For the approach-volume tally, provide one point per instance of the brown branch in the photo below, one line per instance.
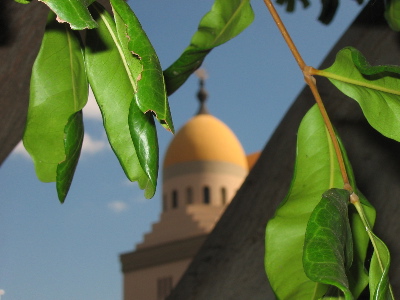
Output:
(310, 80)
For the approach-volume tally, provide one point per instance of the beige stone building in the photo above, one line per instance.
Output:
(203, 168)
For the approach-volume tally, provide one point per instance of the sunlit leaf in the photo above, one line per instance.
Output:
(316, 171)
(113, 91)
(392, 14)
(58, 90)
(328, 245)
(144, 136)
(73, 144)
(151, 94)
(23, 1)
(376, 89)
(224, 21)
(74, 12)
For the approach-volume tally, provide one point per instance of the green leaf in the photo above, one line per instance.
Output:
(151, 94)
(380, 288)
(376, 89)
(73, 145)
(113, 91)
(58, 90)
(224, 21)
(328, 245)
(316, 171)
(74, 12)
(392, 14)
(144, 136)
(23, 1)
(358, 276)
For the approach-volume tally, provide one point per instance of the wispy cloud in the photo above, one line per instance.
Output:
(20, 150)
(91, 110)
(92, 146)
(118, 206)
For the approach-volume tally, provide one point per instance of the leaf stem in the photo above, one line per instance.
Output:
(285, 34)
(310, 80)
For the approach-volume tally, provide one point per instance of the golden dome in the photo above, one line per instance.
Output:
(205, 138)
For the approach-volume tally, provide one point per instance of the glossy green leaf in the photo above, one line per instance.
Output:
(357, 275)
(73, 145)
(113, 90)
(144, 136)
(316, 171)
(328, 244)
(58, 90)
(224, 21)
(392, 14)
(380, 288)
(376, 89)
(74, 12)
(151, 94)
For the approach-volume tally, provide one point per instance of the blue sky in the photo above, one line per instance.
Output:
(50, 251)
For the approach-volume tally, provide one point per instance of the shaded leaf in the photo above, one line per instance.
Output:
(392, 14)
(23, 1)
(316, 171)
(73, 144)
(224, 21)
(380, 288)
(291, 4)
(113, 91)
(74, 12)
(144, 136)
(329, 8)
(151, 93)
(376, 89)
(58, 90)
(328, 245)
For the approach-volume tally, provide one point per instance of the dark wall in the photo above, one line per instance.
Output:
(230, 263)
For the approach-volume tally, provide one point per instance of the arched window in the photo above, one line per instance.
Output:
(223, 195)
(206, 194)
(174, 199)
(189, 195)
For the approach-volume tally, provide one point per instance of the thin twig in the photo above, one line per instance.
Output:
(310, 80)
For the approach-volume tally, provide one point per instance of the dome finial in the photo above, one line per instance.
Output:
(202, 94)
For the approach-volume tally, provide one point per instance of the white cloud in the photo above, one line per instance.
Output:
(92, 146)
(20, 150)
(117, 206)
(91, 110)
(89, 146)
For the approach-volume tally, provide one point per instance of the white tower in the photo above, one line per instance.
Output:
(203, 168)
